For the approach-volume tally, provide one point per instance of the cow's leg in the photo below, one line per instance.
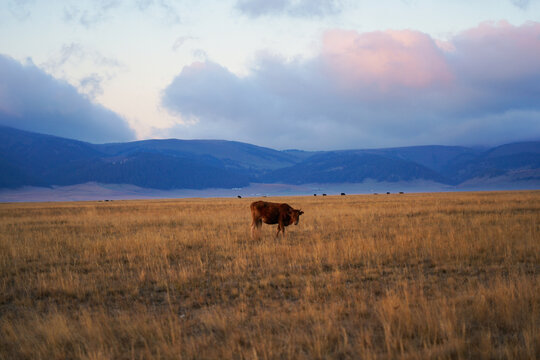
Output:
(280, 227)
(255, 228)
(278, 230)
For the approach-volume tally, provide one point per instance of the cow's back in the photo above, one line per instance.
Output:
(267, 211)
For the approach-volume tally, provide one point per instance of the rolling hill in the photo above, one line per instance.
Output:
(351, 167)
(42, 160)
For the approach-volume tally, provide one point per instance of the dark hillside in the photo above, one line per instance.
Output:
(41, 160)
(503, 160)
(232, 153)
(351, 166)
(434, 157)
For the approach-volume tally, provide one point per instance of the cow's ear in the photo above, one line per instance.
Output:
(300, 212)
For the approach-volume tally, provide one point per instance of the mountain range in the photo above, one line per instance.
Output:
(32, 159)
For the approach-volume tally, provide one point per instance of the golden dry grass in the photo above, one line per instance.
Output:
(415, 276)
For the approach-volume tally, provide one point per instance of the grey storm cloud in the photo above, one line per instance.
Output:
(297, 8)
(391, 88)
(32, 100)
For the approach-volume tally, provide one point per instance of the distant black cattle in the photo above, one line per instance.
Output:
(342, 194)
(239, 197)
(323, 194)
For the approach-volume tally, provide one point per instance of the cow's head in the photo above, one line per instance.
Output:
(295, 216)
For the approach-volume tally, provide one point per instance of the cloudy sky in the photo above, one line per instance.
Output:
(305, 74)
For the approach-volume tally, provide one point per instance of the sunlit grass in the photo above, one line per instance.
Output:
(452, 275)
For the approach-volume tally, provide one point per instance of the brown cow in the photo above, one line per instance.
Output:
(273, 213)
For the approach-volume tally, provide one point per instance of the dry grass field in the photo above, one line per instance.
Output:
(414, 276)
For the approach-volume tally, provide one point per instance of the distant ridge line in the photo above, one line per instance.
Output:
(33, 159)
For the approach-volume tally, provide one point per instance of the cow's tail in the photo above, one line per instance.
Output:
(256, 222)
(256, 225)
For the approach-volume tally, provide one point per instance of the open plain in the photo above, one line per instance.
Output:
(447, 275)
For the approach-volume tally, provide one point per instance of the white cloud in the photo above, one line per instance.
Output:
(88, 16)
(296, 8)
(180, 41)
(20, 9)
(523, 4)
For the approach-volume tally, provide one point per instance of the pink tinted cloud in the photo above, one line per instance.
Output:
(386, 88)
(497, 51)
(384, 60)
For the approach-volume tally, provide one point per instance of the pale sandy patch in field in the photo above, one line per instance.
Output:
(96, 191)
